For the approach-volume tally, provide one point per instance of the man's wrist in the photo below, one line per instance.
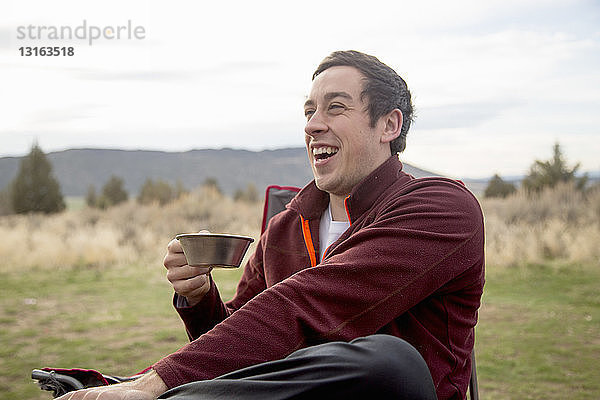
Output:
(194, 301)
(151, 383)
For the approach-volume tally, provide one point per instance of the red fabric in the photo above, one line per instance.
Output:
(410, 265)
(88, 377)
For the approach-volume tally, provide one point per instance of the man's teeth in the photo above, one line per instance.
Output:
(324, 150)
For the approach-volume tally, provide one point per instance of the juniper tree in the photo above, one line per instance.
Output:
(549, 173)
(113, 193)
(35, 189)
(498, 187)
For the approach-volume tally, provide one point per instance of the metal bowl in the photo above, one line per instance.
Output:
(214, 249)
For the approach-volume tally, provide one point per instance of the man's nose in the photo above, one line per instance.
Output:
(315, 125)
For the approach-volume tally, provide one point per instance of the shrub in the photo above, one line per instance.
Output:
(91, 199)
(250, 194)
(497, 187)
(212, 183)
(113, 193)
(5, 201)
(549, 173)
(159, 191)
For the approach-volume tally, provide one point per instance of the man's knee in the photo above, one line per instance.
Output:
(393, 367)
(382, 349)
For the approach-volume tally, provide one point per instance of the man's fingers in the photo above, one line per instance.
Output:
(83, 394)
(174, 260)
(99, 394)
(174, 246)
(69, 396)
(188, 287)
(110, 392)
(91, 394)
(190, 282)
(186, 272)
(175, 253)
(198, 292)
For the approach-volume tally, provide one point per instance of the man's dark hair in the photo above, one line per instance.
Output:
(383, 87)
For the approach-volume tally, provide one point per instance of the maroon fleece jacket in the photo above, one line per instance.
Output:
(411, 265)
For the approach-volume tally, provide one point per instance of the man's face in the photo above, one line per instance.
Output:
(342, 146)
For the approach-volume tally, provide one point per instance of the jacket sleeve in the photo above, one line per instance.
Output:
(203, 316)
(416, 244)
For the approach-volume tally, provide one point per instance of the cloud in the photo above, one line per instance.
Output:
(59, 116)
(5, 38)
(484, 76)
(140, 75)
(463, 115)
(172, 75)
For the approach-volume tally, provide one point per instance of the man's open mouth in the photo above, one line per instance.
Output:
(322, 153)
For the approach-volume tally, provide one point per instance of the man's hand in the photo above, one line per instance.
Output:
(190, 282)
(147, 387)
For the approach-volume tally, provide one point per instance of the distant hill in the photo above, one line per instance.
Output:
(77, 169)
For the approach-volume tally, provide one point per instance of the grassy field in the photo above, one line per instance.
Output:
(538, 336)
(86, 288)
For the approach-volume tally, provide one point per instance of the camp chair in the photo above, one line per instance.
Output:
(276, 199)
(61, 381)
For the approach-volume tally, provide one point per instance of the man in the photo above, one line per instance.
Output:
(368, 284)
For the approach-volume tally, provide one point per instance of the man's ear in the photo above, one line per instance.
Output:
(392, 127)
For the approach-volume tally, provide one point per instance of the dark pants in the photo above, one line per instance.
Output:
(374, 367)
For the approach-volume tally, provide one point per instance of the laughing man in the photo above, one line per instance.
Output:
(366, 286)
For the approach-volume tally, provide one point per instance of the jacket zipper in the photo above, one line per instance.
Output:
(308, 241)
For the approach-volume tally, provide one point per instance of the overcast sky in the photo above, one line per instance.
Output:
(494, 83)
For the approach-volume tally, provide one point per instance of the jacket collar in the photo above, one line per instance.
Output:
(311, 202)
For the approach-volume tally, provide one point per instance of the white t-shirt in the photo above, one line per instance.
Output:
(330, 230)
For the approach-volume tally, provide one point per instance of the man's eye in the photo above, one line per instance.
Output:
(308, 113)
(335, 107)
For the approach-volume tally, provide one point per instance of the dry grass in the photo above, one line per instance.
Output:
(560, 224)
(129, 233)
